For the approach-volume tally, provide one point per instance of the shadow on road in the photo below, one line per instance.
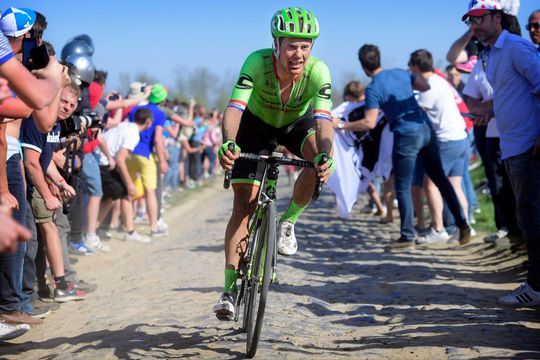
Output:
(426, 297)
(135, 341)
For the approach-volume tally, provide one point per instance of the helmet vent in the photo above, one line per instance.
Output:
(280, 24)
(289, 13)
(308, 28)
(291, 27)
(301, 24)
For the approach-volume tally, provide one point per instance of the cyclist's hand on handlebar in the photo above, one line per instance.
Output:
(324, 170)
(226, 156)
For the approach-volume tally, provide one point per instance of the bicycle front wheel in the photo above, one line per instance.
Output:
(261, 278)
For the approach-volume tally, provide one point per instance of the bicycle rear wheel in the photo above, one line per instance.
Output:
(261, 278)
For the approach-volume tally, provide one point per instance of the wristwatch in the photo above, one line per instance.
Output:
(341, 125)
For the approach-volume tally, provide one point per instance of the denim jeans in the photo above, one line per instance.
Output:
(211, 155)
(524, 173)
(468, 187)
(409, 147)
(500, 189)
(29, 268)
(171, 179)
(11, 265)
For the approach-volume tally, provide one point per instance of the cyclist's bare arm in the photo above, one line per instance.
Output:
(325, 136)
(230, 126)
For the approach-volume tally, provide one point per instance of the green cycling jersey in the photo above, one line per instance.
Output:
(258, 89)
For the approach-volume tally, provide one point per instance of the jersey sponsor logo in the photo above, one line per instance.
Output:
(245, 82)
(325, 91)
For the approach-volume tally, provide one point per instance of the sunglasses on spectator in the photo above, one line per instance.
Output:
(535, 26)
(478, 20)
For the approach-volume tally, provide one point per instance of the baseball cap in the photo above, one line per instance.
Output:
(481, 8)
(158, 94)
(16, 22)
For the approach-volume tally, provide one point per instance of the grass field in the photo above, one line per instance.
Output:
(485, 220)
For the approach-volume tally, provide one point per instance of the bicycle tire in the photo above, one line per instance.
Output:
(264, 260)
(245, 285)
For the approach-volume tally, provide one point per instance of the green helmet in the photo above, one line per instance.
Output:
(294, 22)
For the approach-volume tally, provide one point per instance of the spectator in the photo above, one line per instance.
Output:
(142, 161)
(454, 77)
(36, 93)
(449, 126)
(392, 92)
(117, 183)
(513, 69)
(210, 141)
(533, 27)
(38, 152)
(346, 117)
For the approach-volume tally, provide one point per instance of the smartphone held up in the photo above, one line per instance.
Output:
(34, 57)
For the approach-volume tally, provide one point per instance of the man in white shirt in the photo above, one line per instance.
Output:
(117, 183)
(449, 126)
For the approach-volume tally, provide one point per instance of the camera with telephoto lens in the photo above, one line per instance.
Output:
(74, 123)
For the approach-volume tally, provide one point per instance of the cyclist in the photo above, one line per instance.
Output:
(282, 97)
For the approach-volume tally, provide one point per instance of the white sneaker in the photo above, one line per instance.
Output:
(499, 234)
(162, 224)
(433, 236)
(11, 331)
(287, 241)
(225, 308)
(135, 236)
(522, 296)
(96, 244)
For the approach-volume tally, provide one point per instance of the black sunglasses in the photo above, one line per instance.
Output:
(535, 26)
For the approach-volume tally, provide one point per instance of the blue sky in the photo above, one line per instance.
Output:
(163, 38)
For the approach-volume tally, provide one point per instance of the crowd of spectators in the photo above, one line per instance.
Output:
(439, 122)
(78, 163)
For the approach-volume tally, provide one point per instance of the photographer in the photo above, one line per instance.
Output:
(46, 189)
(91, 177)
(67, 161)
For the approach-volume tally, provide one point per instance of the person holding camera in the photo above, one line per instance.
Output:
(91, 177)
(46, 190)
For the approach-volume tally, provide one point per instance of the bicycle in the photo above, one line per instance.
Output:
(258, 266)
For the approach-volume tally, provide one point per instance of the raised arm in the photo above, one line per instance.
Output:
(457, 54)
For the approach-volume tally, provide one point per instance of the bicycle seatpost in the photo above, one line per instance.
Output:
(228, 173)
(319, 184)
